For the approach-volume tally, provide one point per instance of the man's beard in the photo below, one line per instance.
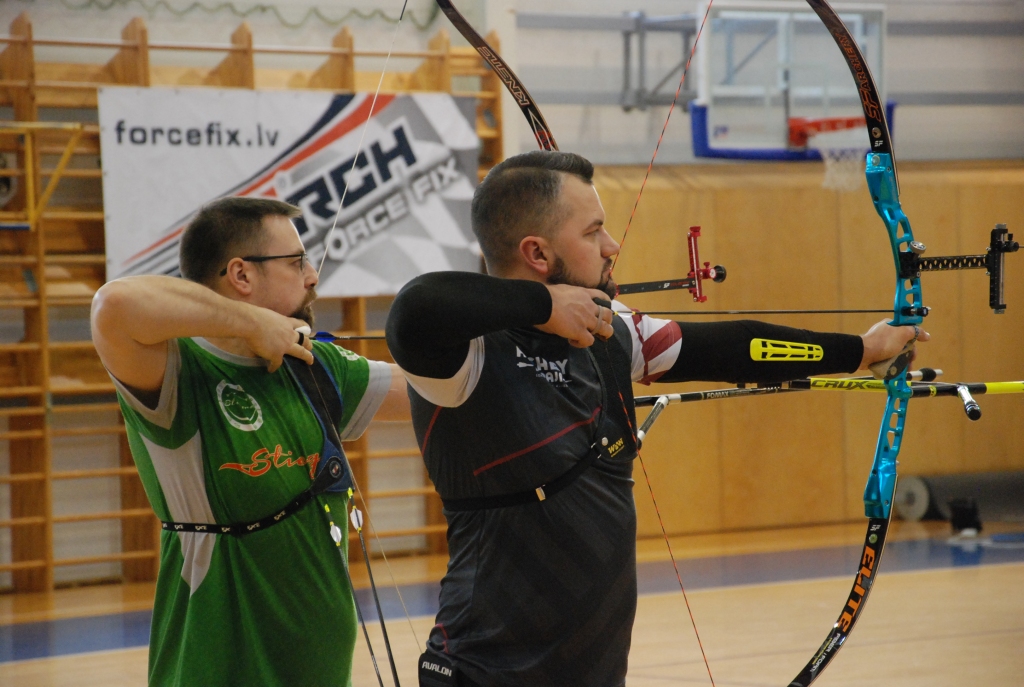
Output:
(561, 275)
(305, 311)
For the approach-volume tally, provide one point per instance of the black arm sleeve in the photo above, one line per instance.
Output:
(436, 315)
(720, 352)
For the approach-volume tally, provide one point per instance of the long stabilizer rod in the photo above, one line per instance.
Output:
(921, 385)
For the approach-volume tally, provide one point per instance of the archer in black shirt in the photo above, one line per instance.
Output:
(520, 384)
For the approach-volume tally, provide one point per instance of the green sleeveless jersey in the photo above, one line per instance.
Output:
(229, 442)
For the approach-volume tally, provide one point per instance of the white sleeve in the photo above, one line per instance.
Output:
(656, 344)
(376, 391)
(453, 391)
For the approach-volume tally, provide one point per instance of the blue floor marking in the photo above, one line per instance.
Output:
(74, 635)
(786, 566)
(24, 641)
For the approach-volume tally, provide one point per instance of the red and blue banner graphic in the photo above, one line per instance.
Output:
(166, 152)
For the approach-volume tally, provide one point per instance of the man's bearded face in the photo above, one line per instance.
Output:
(305, 311)
(560, 274)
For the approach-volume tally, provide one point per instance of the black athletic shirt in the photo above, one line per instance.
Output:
(544, 594)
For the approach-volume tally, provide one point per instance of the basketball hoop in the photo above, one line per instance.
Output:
(842, 143)
(844, 166)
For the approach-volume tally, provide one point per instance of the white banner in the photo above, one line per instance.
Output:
(166, 152)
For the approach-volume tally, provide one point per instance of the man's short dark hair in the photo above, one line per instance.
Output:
(227, 228)
(519, 198)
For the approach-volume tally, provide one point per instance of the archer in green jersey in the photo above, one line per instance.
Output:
(221, 433)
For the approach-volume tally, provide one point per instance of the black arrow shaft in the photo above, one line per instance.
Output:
(651, 286)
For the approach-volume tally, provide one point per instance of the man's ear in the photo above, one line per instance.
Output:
(537, 254)
(237, 278)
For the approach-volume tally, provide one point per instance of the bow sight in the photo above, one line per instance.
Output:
(912, 264)
(693, 281)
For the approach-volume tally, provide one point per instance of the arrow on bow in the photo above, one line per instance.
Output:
(694, 281)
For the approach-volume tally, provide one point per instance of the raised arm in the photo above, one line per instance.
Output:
(437, 315)
(133, 318)
(668, 351)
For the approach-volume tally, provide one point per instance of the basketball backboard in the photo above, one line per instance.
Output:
(767, 69)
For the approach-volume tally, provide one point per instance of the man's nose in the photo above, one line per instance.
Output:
(610, 247)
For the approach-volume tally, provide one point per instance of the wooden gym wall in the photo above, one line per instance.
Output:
(787, 243)
(52, 261)
(720, 465)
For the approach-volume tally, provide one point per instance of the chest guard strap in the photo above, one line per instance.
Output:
(333, 473)
(614, 408)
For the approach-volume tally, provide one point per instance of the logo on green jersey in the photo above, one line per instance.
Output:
(241, 409)
(347, 354)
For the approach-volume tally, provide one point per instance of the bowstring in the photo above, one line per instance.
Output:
(664, 531)
(355, 601)
(387, 563)
(622, 243)
(657, 147)
(362, 137)
(366, 556)
(358, 516)
(675, 566)
(326, 242)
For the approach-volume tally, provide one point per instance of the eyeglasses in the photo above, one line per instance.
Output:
(302, 257)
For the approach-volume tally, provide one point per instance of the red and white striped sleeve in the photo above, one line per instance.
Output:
(656, 343)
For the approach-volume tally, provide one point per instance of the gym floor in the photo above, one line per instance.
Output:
(944, 611)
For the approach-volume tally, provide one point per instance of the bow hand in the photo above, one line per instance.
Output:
(889, 350)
